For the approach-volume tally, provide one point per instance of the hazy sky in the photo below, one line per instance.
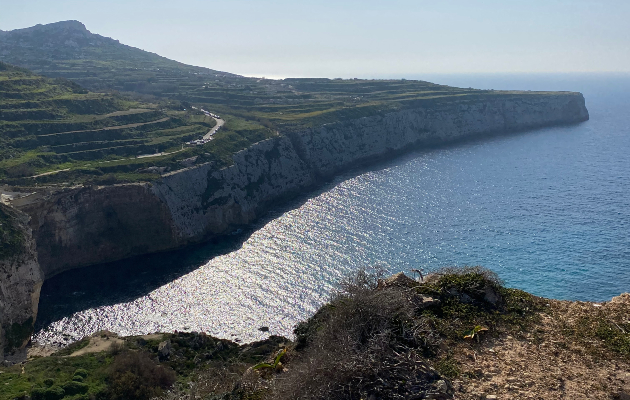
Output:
(366, 38)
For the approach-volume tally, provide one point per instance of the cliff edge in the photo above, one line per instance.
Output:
(86, 225)
(456, 334)
(96, 224)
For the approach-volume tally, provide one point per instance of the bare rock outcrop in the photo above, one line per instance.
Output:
(20, 280)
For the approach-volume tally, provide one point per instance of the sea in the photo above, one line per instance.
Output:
(547, 210)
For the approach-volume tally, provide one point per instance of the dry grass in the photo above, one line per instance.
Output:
(365, 344)
(569, 354)
(381, 343)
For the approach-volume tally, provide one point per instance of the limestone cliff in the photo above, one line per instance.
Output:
(20, 280)
(85, 226)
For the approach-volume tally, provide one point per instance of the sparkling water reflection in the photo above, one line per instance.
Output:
(548, 210)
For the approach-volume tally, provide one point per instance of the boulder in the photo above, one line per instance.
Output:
(623, 298)
(397, 280)
(165, 349)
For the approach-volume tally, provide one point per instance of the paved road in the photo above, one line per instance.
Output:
(212, 131)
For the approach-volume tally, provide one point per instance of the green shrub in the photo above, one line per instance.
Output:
(448, 368)
(37, 393)
(81, 372)
(83, 397)
(11, 244)
(54, 393)
(71, 388)
(135, 376)
(49, 382)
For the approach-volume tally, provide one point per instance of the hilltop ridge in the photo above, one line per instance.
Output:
(72, 25)
(68, 49)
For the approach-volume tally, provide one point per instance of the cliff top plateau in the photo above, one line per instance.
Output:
(458, 334)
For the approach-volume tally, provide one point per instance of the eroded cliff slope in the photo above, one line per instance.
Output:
(20, 280)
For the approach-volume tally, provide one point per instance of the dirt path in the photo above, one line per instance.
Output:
(49, 173)
(151, 155)
(100, 341)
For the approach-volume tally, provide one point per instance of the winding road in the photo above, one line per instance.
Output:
(211, 132)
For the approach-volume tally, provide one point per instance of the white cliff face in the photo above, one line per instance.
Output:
(205, 203)
(96, 225)
(20, 283)
(329, 148)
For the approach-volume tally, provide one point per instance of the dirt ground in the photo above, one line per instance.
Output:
(544, 363)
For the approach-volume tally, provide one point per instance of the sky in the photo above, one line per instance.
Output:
(366, 39)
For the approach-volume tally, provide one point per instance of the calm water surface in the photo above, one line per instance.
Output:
(548, 210)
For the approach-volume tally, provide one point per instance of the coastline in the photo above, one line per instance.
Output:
(90, 225)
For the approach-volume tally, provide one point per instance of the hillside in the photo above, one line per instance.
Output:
(458, 334)
(53, 126)
(68, 50)
(50, 125)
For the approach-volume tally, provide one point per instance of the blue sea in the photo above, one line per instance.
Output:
(548, 210)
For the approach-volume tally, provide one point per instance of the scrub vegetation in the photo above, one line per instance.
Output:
(11, 234)
(393, 338)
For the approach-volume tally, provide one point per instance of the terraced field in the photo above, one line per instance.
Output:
(292, 104)
(48, 126)
(54, 131)
(68, 50)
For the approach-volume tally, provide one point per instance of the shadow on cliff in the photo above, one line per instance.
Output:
(126, 280)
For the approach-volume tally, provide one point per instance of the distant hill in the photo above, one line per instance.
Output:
(68, 50)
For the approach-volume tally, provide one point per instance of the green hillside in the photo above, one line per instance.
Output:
(68, 50)
(55, 125)
(54, 131)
